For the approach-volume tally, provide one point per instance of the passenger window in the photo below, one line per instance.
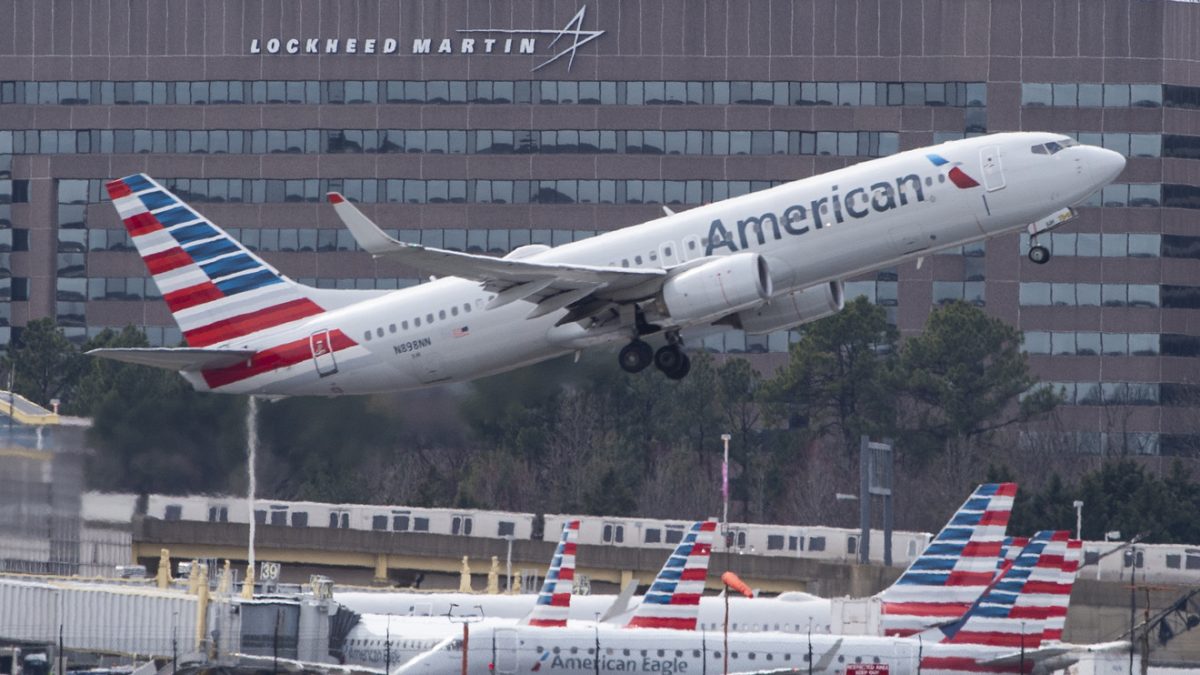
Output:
(417, 322)
(400, 523)
(378, 522)
(404, 325)
(420, 524)
(442, 314)
(429, 318)
(391, 328)
(299, 519)
(620, 534)
(667, 251)
(333, 520)
(653, 535)
(637, 260)
(367, 336)
(379, 331)
(466, 306)
(454, 310)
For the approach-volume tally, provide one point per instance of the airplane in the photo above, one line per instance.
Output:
(939, 585)
(1004, 631)
(762, 262)
(381, 640)
(671, 602)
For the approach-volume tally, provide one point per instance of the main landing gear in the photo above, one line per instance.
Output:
(670, 359)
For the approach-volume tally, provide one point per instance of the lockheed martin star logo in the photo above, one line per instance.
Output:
(573, 30)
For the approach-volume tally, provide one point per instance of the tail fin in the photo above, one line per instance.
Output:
(554, 601)
(1051, 596)
(673, 600)
(953, 571)
(216, 289)
(1014, 611)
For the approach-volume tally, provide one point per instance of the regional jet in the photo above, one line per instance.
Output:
(762, 262)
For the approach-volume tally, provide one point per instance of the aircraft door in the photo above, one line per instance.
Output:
(505, 647)
(667, 254)
(993, 172)
(321, 345)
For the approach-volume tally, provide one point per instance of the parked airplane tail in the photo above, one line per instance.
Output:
(554, 601)
(1006, 630)
(1009, 550)
(673, 600)
(955, 569)
(216, 289)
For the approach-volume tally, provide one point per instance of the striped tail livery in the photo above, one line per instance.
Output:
(955, 569)
(673, 600)
(241, 318)
(554, 601)
(1007, 629)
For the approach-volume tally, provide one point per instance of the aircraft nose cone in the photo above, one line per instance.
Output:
(1106, 165)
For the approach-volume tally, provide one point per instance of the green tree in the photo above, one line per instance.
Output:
(835, 380)
(44, 363)
(98, 376)
(959, 380)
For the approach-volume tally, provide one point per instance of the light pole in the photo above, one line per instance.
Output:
(1078, 504)
(725, 490)
(466, 620)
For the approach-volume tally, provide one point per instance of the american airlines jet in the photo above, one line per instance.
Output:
(762, 262)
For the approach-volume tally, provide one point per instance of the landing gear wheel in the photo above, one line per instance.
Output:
(1039, 255)
(673, 362)
(635, 356)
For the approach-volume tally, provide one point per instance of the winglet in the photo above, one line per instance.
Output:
(368, 235)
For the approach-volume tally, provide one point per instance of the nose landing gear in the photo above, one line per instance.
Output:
(1039, 255)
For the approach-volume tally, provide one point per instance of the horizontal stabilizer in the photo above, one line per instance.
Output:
(179, 358)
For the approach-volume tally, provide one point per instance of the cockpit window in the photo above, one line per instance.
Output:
(1053, 146)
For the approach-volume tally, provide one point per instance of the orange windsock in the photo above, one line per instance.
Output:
(731, 580)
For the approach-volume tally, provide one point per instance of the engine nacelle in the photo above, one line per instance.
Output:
(793, 309)
(727, 284)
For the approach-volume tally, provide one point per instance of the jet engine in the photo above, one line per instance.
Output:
(793, 309)
(716, 288)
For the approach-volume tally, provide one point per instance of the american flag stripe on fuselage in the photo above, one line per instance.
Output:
(673, 600)
(953, 571)
(215, 288)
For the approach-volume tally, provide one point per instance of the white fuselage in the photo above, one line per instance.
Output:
(815, 230)
(573, 650)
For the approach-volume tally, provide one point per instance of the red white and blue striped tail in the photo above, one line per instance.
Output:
(554, 601)
(1052, 597)
(955, 569)
(673, 600)
(215, 288)
(1014, 611)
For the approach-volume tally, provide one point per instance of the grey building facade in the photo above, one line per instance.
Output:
(486, 125)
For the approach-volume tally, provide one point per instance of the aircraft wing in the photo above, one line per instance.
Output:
(179, 358)
(552, 285)
(1061, 652)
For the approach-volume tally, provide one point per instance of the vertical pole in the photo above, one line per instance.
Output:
(887, 504)
(1132, 602)
(252, 451)
(174, 643)
(725, 489)
(387, 657)
(864, 501)
(725, 653)
(466, 645)
(62, 656)
(508, 565)
(275, 644)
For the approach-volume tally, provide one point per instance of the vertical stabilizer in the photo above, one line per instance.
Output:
(554, 601)
(673, 600)
(953, 571)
